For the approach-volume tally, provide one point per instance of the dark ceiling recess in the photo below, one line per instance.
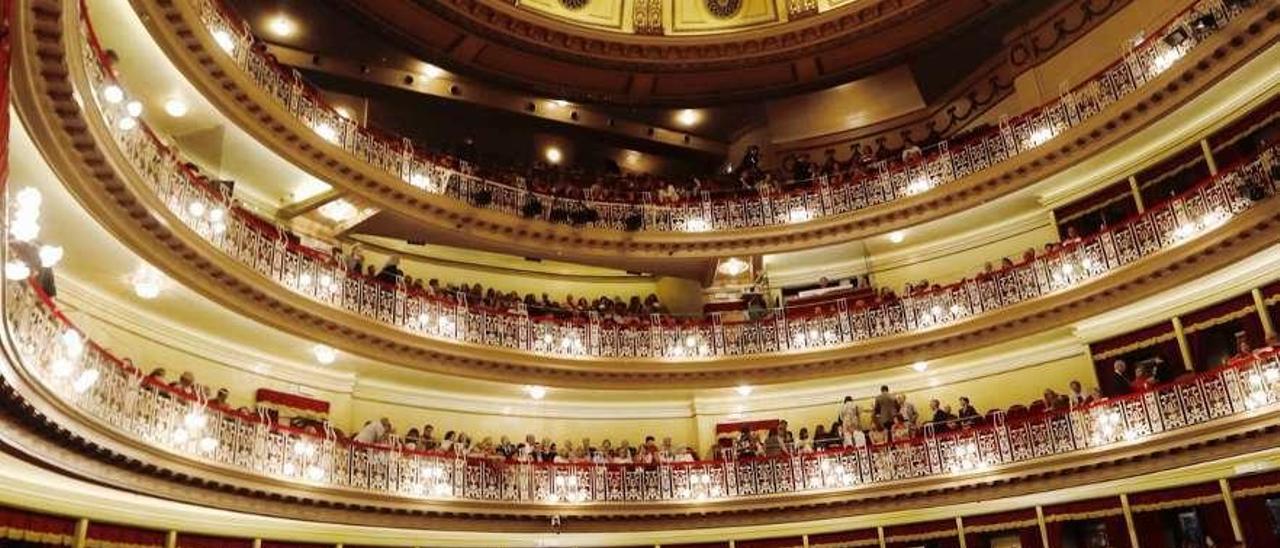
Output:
(939, 39)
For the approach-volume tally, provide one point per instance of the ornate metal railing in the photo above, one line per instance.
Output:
(116, 394)
(210, 211)
(797, 202)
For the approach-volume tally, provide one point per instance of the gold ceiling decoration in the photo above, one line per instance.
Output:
(647, 17)
(573, 5)
(724, 9)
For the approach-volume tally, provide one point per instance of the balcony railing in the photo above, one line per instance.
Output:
(211, 212)
(798, 201)
(116, 394)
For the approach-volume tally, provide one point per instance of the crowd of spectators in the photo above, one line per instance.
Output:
(891, 418)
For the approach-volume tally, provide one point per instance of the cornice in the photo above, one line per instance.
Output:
(1233, 280)
(907, 255)
(134, 319)
(444, 220)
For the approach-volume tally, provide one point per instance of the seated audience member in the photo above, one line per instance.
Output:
(391, 272)
(1053, 401)
(901, 429)
(803, 443)
(220, 400)
(428, 437)
(412, 439)
(1076, 396)
(773, 443)
(907, 411)
(375, 431)
(1143, 380)
(878, 435)
(938, 417)
(746, 445)
(186, 383)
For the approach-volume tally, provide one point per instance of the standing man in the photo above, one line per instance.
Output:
(886, 408)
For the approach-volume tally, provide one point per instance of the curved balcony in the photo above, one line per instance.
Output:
(275, 105)
(115, 394)
(176, 220)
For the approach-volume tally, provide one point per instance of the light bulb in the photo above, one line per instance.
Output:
(61, 368)
(325, 354)
(224, 40)
(25, 231)
(195, 420)
(536, 392)
(73, 343)
(127, 123)
(50, 255)
(134, 108)
(744, 390)
(207, 445)
(113, 94)
(16, 270)
(85, 381)
(196, 208)
(176, 108)
(29, 198)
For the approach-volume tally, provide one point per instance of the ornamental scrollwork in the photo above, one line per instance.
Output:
(724, 9)
(574, 5)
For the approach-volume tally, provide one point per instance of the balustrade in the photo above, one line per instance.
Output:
(115, 393)
(799, 201)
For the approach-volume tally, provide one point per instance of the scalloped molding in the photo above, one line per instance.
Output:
(1256, 271)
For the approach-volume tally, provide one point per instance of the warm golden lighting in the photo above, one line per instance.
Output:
(338, 211)
(282, 26)
(688, 117)
(175, 107)
(553, 155)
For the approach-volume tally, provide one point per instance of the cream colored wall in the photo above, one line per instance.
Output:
(681, 296)
(990, 392)
(963, 263)
(875, 98)
(1083, 58)
(147, 354)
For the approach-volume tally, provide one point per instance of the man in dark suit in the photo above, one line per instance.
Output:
(1120, 381)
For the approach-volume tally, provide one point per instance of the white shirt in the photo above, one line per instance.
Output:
(371, 433)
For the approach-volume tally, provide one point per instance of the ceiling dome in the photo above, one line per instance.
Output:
(655, 52)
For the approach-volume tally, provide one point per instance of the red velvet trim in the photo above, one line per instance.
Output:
(843, 536)
(1126, 339)
(1170, 164)
(1083, 506)
(1218, 310)
(187, 540)
(1175, 494)
(920, 528)
(1243, 124)
(733, 427)
(291, 400)
(125, 534)
(782, 542)
(283, 544)
(1254, 481)
(14, 518)
(1012, 516)
(1092, 201)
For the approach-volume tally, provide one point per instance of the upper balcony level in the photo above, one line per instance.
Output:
(240, 252)
(448, 201)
